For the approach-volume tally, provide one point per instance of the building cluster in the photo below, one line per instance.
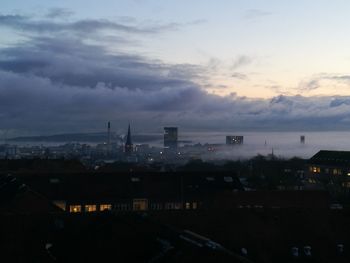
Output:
(117, 149)
(198, 211)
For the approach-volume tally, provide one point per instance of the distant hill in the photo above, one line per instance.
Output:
(86, 137)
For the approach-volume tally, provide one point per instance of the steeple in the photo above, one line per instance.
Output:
(128, 143)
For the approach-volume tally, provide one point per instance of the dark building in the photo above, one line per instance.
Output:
(133, 191)
(329, 168)
(302, 139)
(170, 138)
(109, 133)
(232, 140)
(128, 144)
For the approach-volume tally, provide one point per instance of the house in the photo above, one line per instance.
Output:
(329, 170)
(135, 191)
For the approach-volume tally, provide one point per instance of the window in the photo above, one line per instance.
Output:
(75, 208)
(188, 205)
(194, 205)
(228, 179)
(122, 207)
(104, 207)
(315, 169)
(312, 181)
(177, 206)
(140, 204)
(90, 208)
(337, 171)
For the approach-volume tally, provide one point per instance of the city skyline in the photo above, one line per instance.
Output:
(199, 65)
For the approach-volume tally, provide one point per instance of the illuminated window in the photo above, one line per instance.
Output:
(315, 169)
(188, 206)
(140, 204)
(194, 205)
(90, 208)
(75, 208)
(105, 207)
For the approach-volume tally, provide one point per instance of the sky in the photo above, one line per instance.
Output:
(70, 66)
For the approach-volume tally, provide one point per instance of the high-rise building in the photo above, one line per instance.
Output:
(109, 134)
(170, 138)
(128, 144)
(302, 139)
(231, 140)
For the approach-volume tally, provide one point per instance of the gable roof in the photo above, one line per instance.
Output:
(332, 158)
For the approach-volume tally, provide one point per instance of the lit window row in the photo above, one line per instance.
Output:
(334, 171)
(315, 169)
(89, 208)
(138, 205)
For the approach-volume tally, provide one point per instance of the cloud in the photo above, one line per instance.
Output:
(253, 14)
(241, 76)
(320, 80)
(59, 13)
(29, 24)
(59, 83)
(241, 61)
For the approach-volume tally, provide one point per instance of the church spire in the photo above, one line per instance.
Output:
(128, 143)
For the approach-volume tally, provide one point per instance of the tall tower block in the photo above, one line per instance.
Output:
(109, 134)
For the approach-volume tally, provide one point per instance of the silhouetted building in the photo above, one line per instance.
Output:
(302, 139)
(134, 191)
(327, 168)
(109, 133)
(232, 140)
(170, 138)
(128, 144)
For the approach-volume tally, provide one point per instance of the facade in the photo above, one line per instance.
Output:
(234, 140)
(329, 169)
(170, 138)
(136, 191)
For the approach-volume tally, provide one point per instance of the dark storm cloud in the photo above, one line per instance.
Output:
(71, 62)
(53, 83)
(28, 24)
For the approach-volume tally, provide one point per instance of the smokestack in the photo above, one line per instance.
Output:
(109, 134)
